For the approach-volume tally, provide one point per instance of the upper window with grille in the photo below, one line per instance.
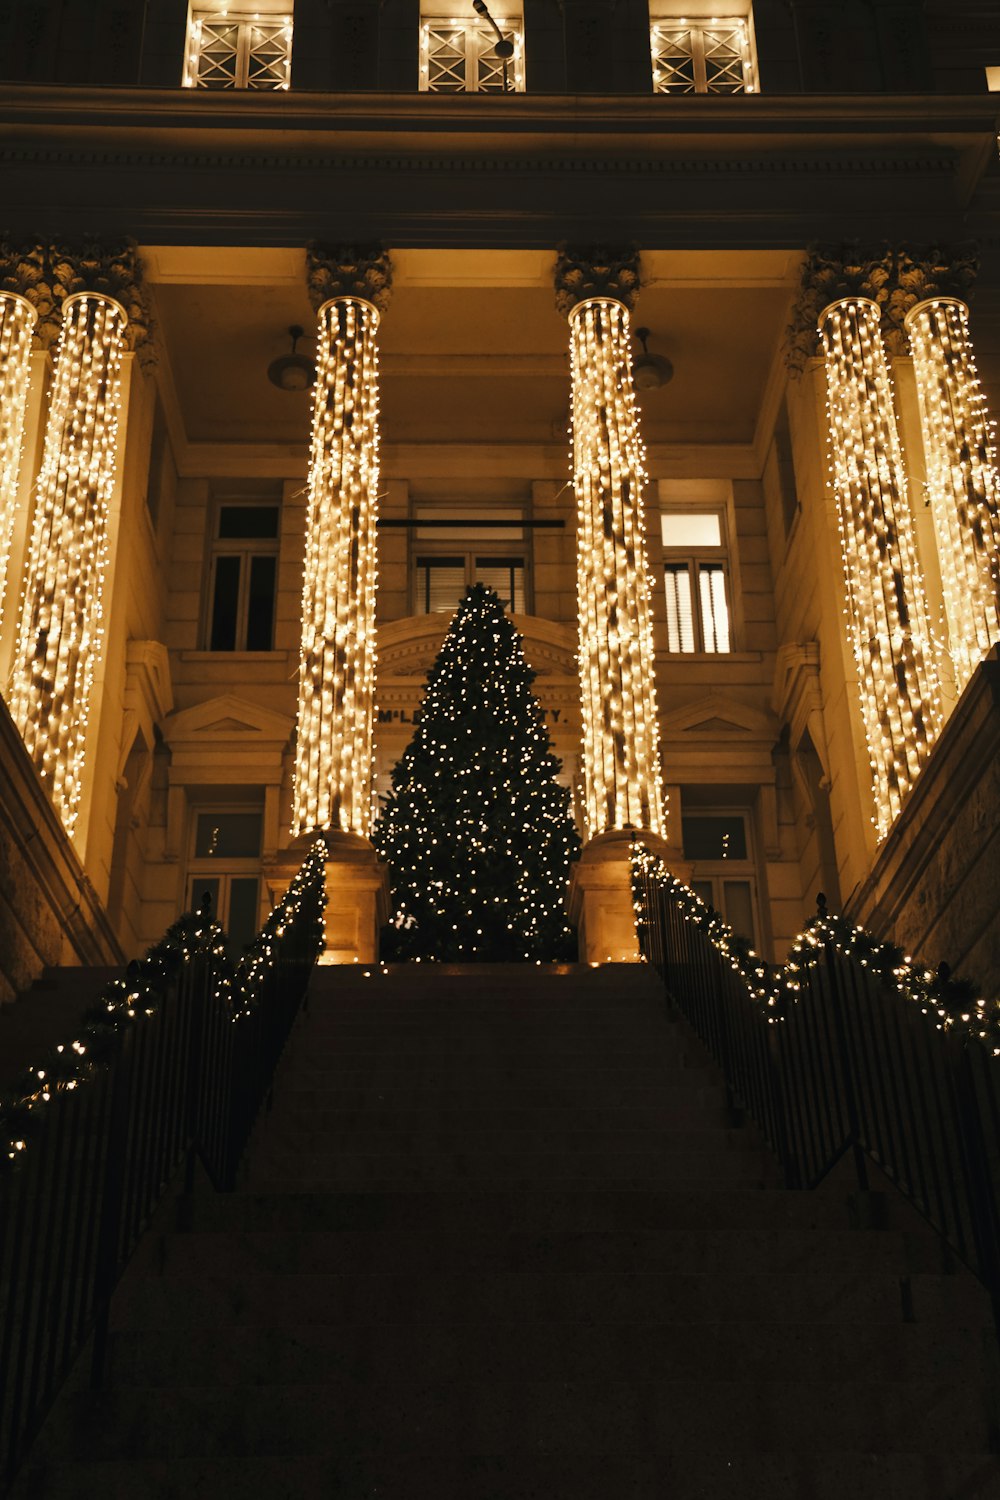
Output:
(238, 50)
(708, 56)
(696, 576)
(452, 551)
(460, 56)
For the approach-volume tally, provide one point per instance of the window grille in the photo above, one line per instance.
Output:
(713, 57)
(459, 57)
(244, 567)
(696, 575)
(227, 51)
(441, 582)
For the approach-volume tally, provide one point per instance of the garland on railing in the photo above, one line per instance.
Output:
(952, 1003)
(135, 997)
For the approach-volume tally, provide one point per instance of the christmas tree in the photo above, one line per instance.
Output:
(476, 830)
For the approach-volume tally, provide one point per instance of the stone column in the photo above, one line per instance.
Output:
(60, 629)
(333, 768)
(596, 289)
(886, 605)
(962, 477)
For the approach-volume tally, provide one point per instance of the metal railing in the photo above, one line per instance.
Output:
(848, 1048)
(174, 1062)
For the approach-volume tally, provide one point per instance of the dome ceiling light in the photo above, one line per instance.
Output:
(650, 371)
(292, 372)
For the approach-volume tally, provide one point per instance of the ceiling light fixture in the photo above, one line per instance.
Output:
(650, 371)
(292, 372)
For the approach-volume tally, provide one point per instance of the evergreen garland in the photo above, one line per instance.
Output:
(476, 830)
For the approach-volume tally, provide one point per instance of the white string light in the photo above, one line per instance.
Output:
(333, 763)
(962, 477)
(17, 320)
(886, 605)
(621, 771)
(59, 634)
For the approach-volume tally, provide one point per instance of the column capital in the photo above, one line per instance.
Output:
(586, 271)
(107, 268)
(896, 277)
(24, 270)
(363, 271)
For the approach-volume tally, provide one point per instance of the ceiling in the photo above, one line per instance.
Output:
(472, 348)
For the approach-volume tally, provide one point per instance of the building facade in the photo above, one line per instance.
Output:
(783, 224)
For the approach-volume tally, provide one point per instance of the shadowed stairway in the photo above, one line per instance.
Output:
(498, 1238)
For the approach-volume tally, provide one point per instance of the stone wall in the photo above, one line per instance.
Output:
(49, 912)
(934, 886)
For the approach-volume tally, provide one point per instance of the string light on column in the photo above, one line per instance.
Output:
(333, 767)
(59, 633)
(622, 786)
(17, 320)
(886, 605)
(962, 477)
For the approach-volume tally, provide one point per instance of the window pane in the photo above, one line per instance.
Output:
(714, 608)
(440, 584)
(506, 576)
(680, 619)
(228, 835)
(200, 886)
(248, 521)
(225, 601)
(725, 48)
(260, 605)
(738, 903)
(692, 529)
(703, 890)
(714, 836)
(241, 923)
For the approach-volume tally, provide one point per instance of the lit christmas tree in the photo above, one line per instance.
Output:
(476, 829)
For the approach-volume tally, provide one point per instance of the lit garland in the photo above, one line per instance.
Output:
(962, 477)
(952, 1003)
(333, 764)
(621, 772)
(17, 320)
(138, 995)
(886, 606)
(59, 635)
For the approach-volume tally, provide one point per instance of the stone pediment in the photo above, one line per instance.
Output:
(718, 716)
(227, 718)
(409, 647)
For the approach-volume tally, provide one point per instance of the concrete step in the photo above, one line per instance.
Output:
(760, 1252)
(728, 1208)
(274, 1170)
(429, 1138)
(311, 1353)
(423, 1117)
(721, 1474)
(416, 1095)
(414, 1411)
(275, 1300)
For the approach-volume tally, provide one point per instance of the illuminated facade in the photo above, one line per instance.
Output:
(752, 553)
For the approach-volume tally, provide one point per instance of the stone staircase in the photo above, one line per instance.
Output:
(499, 1240)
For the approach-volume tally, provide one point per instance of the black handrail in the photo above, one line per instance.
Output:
(849, 1048)
(173, 1063)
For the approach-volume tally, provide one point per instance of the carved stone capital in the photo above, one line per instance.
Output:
(921, 272)
(586, 271)
(830, 273)
(363, 271)
(108, 267)
(24, 269)
(895, 277)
